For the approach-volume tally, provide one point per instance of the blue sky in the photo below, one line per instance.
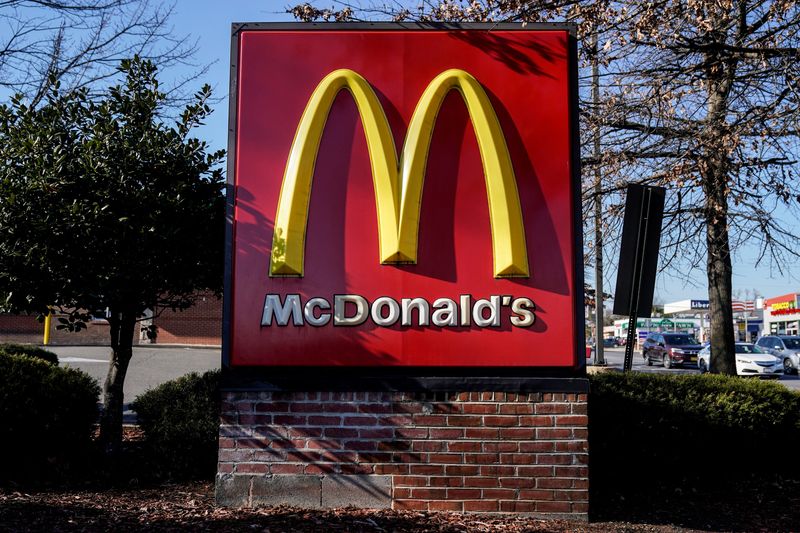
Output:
(210, 21)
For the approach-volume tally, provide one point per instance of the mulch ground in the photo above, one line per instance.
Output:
(190, 507)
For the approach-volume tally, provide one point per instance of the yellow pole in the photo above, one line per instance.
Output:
(47, 318)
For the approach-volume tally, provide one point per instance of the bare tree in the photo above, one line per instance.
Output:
(80, 42)
(699, 96)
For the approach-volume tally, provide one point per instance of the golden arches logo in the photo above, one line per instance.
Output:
(398, 183)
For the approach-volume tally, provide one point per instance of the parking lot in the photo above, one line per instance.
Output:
(615, 356)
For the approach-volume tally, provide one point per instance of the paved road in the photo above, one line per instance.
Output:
(615, 356)
(149, 367)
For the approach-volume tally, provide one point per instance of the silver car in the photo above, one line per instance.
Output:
(784, 347)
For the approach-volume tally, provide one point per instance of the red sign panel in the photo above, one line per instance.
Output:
(404, 198)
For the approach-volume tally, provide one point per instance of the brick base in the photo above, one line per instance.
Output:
(469, 451)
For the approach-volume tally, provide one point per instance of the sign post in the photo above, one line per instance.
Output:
(638, 258)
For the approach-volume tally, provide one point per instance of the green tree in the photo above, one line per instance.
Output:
(105, 205)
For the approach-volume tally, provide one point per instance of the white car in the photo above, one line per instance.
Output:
(750, 361)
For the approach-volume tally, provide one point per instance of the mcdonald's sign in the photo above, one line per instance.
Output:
(404, 197)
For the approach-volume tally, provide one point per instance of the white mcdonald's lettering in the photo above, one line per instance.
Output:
(385, 311)
(398, 182)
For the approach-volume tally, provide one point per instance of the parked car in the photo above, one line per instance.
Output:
(670, 349)
(785, 347)
(750, 361)
(609, 342)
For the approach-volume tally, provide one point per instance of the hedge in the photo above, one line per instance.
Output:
(653, 434)
(180, 420)
(47, 417)
(29, 351)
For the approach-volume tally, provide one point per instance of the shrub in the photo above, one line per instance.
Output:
(29, 351)
(653, 435)
(180, 420)
(47, 416)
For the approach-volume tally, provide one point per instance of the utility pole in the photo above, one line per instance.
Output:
(598, 211)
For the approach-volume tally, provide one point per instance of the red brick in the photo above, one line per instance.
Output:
(536, 421)
(430, 470)
(580, 507)
(298, 407)
(407, 407)
(252, 420)
(302, 432)
(517, 433)
(283, 468)
(410, 505)
(553, 433)
(464, 446)
(430, 420)
(461, 470)
(339, 407)
(394, 445)
(517, 507)
(499, 494)
(323, 445)
(398, 493)
(554, 483)
(342, 433)
(360, 421)
(252, 468)
(537, 446)
(411, 433)
(407, 457)
(572, 471)
(464, 420)
(389, 469)
(361, 445)
(281, 444)
(446, 408)
(516, 409)
(411, 481)
(463, 494)
(550, 459)
(498, 471)
(517, 482)
(375, 408)
(581, 433)
(453, 481)
(225, 468)
(321, 468)
(580, 409)
(482, 482)
(447, 458)
(572, 446)
(480, 458)
(572, 420)
(536, 494)
(482, 433)
(480, 408)
(580, 483)
(500, 421)
(502, 446)
(572, 495)
(553, 507)
(428, 446)
(552, 408)
(481, 506)
(375, 457)
(535, 471)
(450, 433)
(272, 407)
(428, 493)
(351, 469)
(226, 442)
(445, 506)
(517, 458)
(289, 420)
(343, 456)
(324, 420)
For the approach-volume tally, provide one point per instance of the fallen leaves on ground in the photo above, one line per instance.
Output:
(190, 507)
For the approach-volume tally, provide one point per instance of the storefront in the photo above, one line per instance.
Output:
(782, 315)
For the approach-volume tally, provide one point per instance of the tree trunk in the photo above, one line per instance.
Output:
(122, 324)
(719, 284)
